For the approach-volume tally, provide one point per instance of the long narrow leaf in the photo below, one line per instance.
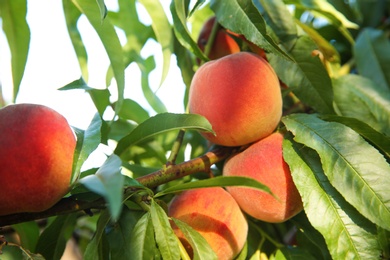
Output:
(110, 41)
(13, 16)
(163, 31)
(356, 169)
(162, 123)
(347, 233)
(165, 237)
(72, 15)
(221, 181)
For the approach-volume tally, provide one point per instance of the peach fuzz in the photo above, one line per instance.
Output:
(224, 44)
(215, 215)
(264, 162)
(36, 158)
(240, 96)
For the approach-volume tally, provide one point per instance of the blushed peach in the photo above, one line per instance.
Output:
(264, 162)
(215, 215)
(36, 158)
(239, 95)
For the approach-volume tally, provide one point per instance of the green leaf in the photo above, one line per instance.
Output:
(108, 182)
(102, 8)
(165, 237)
(220, 181)
(323, 9)
(306, 77)
(146, 67)
(359, 97)
(110, 41)
(326, 208)
(72, 15)
(281, 21)
(100, 97)
(119, 234)
(372, 55)
(28, 233)
(52, 242)
(162, 123)
(245, 19)
(13, 18)
(314, 239)
(384, 241)
(87, 142)
(356, 169)
(178, 12)
(131, 110)
(142, 241)
(379, 140)
(201, 248)
(94, 248)
(292, 253)
(163, 31)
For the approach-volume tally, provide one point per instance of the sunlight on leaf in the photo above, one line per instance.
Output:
(352, 165)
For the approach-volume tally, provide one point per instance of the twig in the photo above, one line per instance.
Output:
(168, 173)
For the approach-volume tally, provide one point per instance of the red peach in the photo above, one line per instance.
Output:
(240, 96)
(215, 215)
(264, 162)
(223, 43)
(36, 158)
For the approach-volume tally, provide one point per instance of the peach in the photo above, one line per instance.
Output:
(264, 162)
(215, 215)
(36, 158)
(223, 43)
(239, 95)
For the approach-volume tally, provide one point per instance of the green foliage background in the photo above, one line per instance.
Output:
(336, 114)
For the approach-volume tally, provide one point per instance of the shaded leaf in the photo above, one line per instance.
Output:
(13, 18)
(28, 233)
(372, 55)
(359, 97)
(108, 182)
(94, 249)
(220, 181)
(357, 170)
(281, 21)
(52, 241)
(326, 208)
(162, 123)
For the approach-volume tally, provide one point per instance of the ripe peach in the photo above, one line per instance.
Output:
(36, 157)
(223, 43)
(264, 162)
(215, 215)
(240, 96)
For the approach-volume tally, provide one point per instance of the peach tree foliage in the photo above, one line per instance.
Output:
(334, 56)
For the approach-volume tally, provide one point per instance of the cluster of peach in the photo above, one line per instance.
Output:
(239, 93)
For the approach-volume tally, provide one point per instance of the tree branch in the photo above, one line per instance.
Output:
(164, 175)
